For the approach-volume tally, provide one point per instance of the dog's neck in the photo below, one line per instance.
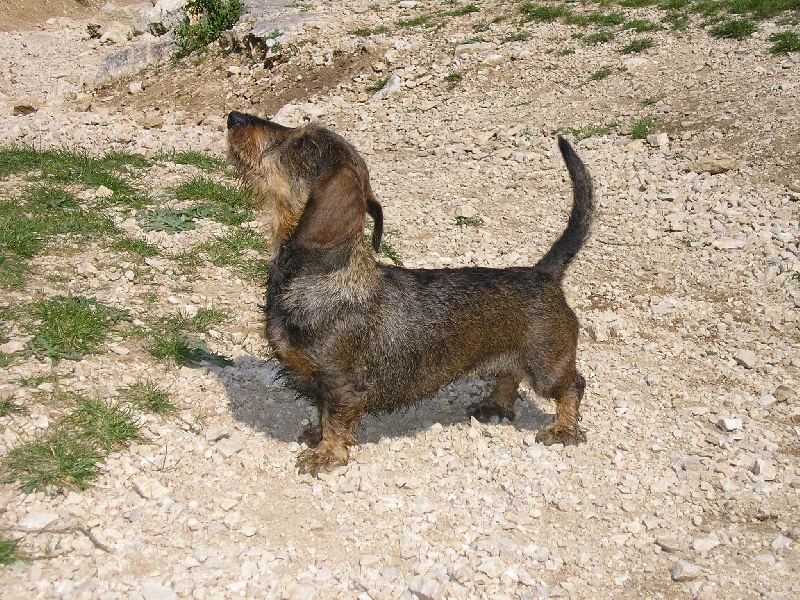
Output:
(293, 261)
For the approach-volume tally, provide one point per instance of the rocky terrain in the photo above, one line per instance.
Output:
(688, 294)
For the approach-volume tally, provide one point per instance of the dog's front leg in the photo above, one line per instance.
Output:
(339, 415)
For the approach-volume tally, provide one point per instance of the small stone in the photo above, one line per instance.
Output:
(780, 543)
(134, 87)
(658, 140)
(783, 393)
(729, 423)
(491, 567)
(229, 446)
(214, 434)
(746, 358)
(149, 488)
(155, 590)
(248, 530)
(713, 165)
(668, 542)
(704, 545)
(764, 468)
(684, 571)
(424, 588)
(392, 86)
(11, 347)
(728, 243)
(38, 520)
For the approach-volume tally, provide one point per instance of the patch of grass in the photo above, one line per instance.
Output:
(784, 42)
(419, 21)
(542, 13)
(642, 128)
(72, 326)
(653, 100)
(240, 251)
(565, 51)
(104, 427)
(201, 160)
(736, 29)
(10, 552)
(599, 19)
(638, 45)
(462, 10)
(367, 31)
(225, 198)
(601, 74)
(452, 79)
(637, 3)
(581, 133)
(146, 396)
(9, 407)
(518, 36)
(178, 347)
(378, 85)
(135, 246)
(462, 221)
(601, 37)
(56, 460)
(64, 167)
(211, 18)
(641, 25)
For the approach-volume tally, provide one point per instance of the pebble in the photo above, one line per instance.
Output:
(730, 423)
(684, 571)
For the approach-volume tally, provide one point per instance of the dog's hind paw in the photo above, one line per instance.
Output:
(553, 434)
(321, 458)
(484, 412)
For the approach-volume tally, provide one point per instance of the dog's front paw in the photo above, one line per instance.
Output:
(484, 412)
(321, 458)
(553, 434)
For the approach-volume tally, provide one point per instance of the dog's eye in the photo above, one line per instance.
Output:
(299, 143)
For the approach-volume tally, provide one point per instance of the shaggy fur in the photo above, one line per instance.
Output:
(357, 337)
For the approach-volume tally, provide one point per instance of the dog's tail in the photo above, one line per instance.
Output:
(571, 241)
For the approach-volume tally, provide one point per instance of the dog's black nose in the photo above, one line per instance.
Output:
(237, 119)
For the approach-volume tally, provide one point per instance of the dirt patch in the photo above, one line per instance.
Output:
(20, 15)
(206, 84)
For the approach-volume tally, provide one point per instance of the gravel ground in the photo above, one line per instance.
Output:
(688, 294)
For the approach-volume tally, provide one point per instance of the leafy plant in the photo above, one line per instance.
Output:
(462, 221)
(737, 29)
(642, 127)
(208, 19)
(638, 45)
(784, 42)
(72, 326)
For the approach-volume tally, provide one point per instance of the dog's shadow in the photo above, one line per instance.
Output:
(259, 399)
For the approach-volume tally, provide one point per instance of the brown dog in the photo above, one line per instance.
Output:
(357, 337)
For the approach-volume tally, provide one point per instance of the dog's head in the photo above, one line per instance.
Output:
(314, 184)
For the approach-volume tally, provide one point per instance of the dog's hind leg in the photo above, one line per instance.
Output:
(500, 402)
(565, 429)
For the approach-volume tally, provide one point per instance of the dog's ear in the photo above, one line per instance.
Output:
(334, 212)
(376, 212)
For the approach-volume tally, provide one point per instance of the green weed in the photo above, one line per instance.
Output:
(10, 552)
(69, 327)
(600, 74)
(784, 42)
(212, 17)
(240, 251)
(452, 79)
(638, 45)
(642, 128)
(462, 221)
(736, 29)
(201, 160)
(581, 133)
(146, 396)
